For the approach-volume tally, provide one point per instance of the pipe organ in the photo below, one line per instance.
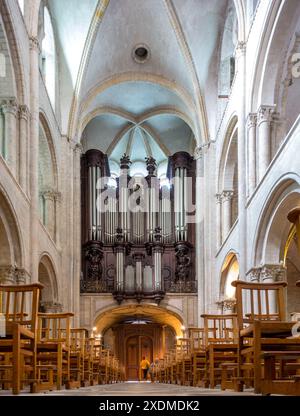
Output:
(138, 233)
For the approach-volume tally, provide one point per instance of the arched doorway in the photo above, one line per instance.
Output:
(134, 331)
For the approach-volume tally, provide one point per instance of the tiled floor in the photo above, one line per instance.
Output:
(140, 389)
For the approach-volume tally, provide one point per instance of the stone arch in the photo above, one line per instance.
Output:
(273, 226)
(13, 54)
(47, 276)
(48, 177)
(229, 273)
(11, 253)
(105, 317)
(228, 179)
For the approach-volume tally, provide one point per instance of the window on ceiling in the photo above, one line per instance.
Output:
(48, 57)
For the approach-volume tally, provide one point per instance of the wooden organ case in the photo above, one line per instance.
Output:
(138, 234)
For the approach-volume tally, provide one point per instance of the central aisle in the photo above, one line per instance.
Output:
(145, 389)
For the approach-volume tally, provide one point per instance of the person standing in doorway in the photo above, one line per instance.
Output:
(145, 367)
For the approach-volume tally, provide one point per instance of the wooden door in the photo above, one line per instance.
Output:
(137, 347)
(132, 358)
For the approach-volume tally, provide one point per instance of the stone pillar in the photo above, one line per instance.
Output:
(23, 146)
(199, 156)
(252, 120)
(77, 151)
(264, 118)
(241, 79)
(218, 220)
(34, 155)
(227, 212)
(9, 109)
(57, 217)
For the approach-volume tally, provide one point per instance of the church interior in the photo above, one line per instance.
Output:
(150, 196)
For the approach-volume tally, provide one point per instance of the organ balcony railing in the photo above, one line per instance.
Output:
(144, 252)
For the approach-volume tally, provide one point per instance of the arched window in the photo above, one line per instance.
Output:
(21, 5)
(48, 57)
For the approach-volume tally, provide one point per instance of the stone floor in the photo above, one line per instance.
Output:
(140, 389)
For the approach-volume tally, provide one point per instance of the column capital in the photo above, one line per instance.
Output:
(77, 148)
(9, 105)
(251, 120)
(34, 43)
(22, 276)
(254, 274)
(218, 198)
(276, 272)
(24, 112)
(265, 113)
(49, 194)
(240, 49)
(7, 274)
(227, 195)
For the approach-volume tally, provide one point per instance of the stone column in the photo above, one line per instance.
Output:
(218, 220)
(77, 151)
(227, 212)
(34, 154)
(9, 109)
(264, 118)
(57, 217)
(252, 120)
(23, 146)
(199, 156)
(241, 74)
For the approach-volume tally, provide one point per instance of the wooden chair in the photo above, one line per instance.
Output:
(262, 329)
(198, 356)
(19, 309)
(53, 347)
(77, 354)
(221, 342)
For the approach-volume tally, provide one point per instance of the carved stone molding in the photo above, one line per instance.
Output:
(24, 112)
(240, 49)
(276, 272)
(34, 43)
(251, 120)
(51, 307)
(265, 113)
(227, 195)
(218, 198)
(7, 275)
(9, 106)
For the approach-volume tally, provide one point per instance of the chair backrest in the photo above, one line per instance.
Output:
(196, 336)
(54, 327)
(222, 329)
(259, 301)
(77, 340)
(20, 303)
(183, 346)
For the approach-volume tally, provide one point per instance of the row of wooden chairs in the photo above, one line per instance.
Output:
(256, 347)
(41, 350)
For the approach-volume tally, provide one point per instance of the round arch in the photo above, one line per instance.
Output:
(47, 276)
(11, 253)
(273, 227)
(106, 317)
(229, 273)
